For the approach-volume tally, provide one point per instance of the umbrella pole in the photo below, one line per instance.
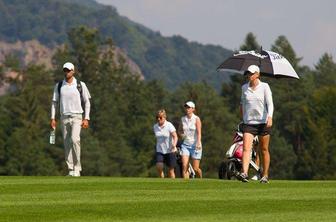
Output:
(260, 57)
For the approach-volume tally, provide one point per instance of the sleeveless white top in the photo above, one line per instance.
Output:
(189, 129)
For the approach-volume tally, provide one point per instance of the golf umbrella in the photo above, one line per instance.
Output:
(270, 63)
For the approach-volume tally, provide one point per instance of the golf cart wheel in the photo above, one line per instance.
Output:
(222, 170)
(231, 170)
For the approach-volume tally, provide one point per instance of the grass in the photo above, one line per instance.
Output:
(153, 199)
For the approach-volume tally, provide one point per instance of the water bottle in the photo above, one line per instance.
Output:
(52, 136)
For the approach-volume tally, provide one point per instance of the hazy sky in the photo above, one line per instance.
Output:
(310, 26)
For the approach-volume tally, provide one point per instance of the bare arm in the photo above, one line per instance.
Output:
(270, 106)
(54, 105)
(180, 131)
(199, 133)
(53, 123)
(174, 141)
(87, 104)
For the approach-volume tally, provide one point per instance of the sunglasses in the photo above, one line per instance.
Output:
(247, 73)
(66, 70)
(160, 117)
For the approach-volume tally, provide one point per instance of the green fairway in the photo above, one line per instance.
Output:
(150, 199)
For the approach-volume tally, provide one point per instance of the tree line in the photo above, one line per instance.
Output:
(120, 140)
(172, 59)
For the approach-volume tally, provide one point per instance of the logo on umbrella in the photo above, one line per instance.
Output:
(254, 53)
(275, 55)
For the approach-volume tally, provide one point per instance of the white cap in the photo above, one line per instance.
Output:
(253, 69)
(69, 66)
(190, 104)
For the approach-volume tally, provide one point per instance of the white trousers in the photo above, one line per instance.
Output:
(71, 128)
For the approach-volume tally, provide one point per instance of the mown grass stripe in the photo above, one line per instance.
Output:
(153, 199)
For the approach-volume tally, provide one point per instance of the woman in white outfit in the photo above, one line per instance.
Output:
(166, 139)
(190, 131)
(257, 111)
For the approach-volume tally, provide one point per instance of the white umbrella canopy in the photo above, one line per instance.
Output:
(270, 63)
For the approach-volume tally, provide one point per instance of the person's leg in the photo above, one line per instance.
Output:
(247, 146)
(185, 153)
(257, 150)
(264, 147)
(185, 164)
(196, 156)
(171, 172)
(159, 168)
(75, 137)
(159, 164)
(171, 163)
(66, 132)
(257, 161)
(196, 166)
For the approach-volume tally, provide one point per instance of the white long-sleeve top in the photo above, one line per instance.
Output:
(257, 104)
(70, 99)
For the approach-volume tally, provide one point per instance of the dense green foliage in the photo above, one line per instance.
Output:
(120, 141)
(173, 60)
(147, 199)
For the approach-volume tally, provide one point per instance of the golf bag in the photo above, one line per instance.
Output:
(232, 164)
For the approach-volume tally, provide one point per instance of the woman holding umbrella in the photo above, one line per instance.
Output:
(257, 111)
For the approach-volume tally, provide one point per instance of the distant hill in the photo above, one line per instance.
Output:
(171, 59)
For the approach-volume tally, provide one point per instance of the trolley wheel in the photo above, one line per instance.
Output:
(231, 169)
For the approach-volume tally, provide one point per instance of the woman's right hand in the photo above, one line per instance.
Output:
(269, 122)
(198, 146)
(53, 123)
